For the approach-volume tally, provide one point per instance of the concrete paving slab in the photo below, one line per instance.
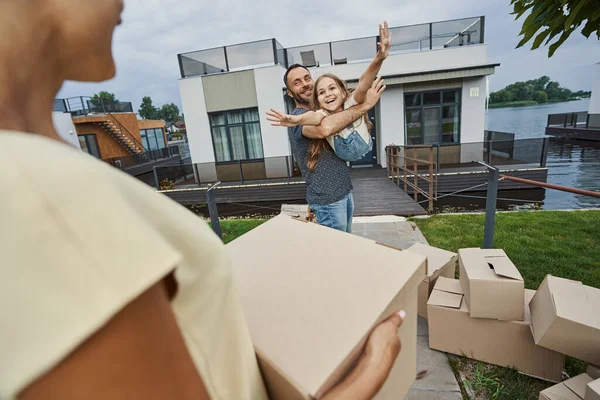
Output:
(439, 383)
(439, 376)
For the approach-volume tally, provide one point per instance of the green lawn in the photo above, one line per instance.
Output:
(233, 228)
(565, 244)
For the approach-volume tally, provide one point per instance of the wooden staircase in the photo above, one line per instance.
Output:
(124, 139)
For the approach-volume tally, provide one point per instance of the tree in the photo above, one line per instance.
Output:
(541, 82)
(169, 113)
(103, 97)
(553, 90)
(555, 17)
(540, 96)
(147, 109)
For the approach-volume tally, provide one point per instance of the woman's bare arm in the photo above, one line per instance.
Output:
(138, 354)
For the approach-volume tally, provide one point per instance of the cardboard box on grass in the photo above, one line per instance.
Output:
(311, 296)
(439, 263)
(503, 343)
(593, 371)
(493, 286)
(582, 387)
(566, 318)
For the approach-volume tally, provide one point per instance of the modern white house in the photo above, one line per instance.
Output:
(436, 93)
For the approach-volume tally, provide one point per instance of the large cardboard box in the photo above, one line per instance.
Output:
(503, 343)
(439, 263)
(566, 318)
(592, 392)
(493, 286)
(311, 296)
(593, 371)
(582, 387)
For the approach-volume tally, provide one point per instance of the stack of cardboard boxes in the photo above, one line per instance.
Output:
(312, 295)
(488, 315)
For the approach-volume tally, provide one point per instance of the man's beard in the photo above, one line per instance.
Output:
(300, 100)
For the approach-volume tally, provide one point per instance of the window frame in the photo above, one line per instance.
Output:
(145, 139)
(87, 143)
(227, 127)
(421, 107)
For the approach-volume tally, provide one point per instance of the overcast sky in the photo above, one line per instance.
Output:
(155, 31)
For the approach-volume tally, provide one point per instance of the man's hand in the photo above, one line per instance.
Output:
(386, 41)
(277, 118)
(373, 95)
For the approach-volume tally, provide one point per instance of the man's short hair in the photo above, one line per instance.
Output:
(293, 66)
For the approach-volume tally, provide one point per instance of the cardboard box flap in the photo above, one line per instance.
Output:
(504, 267)
(446, 293)
(575, 301)
(448, 285)
(558, 392)
(436, 258)
(593, 371)
(488, 264)
(287, 297)
(445, 299)
(593, 388)
(578, 384)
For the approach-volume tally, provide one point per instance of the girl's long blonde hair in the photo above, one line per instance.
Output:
(317, 146)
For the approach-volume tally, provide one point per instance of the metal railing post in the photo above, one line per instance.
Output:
(544, 152)
(211, 201)
(416, 178)
(287, 167)
(197, 174)
(430, 36)
(156, 183)
(489, 155)
(490, 207)
(431, 179)
(241, 171)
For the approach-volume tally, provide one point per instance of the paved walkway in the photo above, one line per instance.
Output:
(439, 383)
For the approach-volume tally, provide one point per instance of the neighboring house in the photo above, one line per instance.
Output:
(436, 88)
(111, 131)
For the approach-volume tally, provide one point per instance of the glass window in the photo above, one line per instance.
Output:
(450, 124)
(450, 96)
(413, 99)
(89, 144)
(236, 135)
(144, 139)
(160, 138)
(431, 98)
(437, 120)
(153, 139)
(221, 144)
(413, 126)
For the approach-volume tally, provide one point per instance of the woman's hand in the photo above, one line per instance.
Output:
(375, 364)
(386, 41)
(277, 118)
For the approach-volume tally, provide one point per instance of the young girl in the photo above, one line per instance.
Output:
(331, 95)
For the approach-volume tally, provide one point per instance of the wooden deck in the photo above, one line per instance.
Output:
(375, 194)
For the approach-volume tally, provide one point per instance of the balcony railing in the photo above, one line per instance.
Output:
(436, 35)
(84, 105)
(580, 119)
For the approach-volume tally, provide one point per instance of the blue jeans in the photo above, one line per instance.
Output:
(336, 215)
(352, 148)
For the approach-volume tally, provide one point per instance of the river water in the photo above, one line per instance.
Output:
(570, 163)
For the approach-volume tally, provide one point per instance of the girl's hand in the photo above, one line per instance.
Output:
(386, 41)
(278, 118)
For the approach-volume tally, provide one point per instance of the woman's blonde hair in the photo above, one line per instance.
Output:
(317, 146)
